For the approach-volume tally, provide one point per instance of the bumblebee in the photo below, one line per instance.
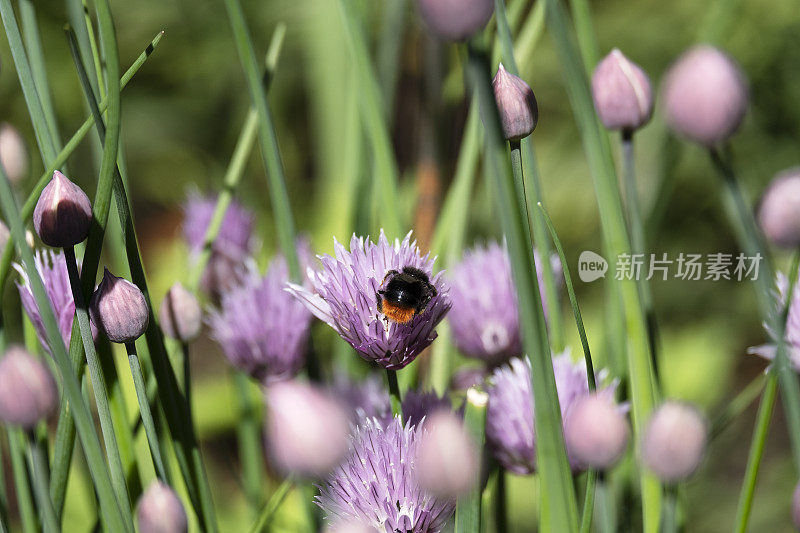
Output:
(405, 294)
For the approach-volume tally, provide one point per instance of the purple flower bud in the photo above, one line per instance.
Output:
(596, 432)
(622, 94)
(705, 95)
(118, 309)
(674, 441)
(779, 212)
(63, 214)
(306, 429)
(181, 316)
(13, 154)
(161, 511)
(28, 392)
(516, 103)
(796, 506)
(455, 20)
(447, 458)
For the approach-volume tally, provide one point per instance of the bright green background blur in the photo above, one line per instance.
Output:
(183, 111)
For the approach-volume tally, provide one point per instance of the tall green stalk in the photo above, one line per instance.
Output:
(559, 508)
(615, 236)
(270, 151)
(375, 129)
(468, 507)
(532, 189)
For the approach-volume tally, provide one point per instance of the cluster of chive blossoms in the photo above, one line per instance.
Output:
(345, 296)
(510, 414)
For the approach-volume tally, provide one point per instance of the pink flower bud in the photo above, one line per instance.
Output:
(306, 429)
(796, 507)
(13, 154)
(779, 212)
(118, 309)
(161, 511)
(705, 96)
(447, 458)
(674, 441)
(516, 103)
(181, 316)
(622, 94)
(28, 392)
(455, 20)
(596, 432)
(63, 214)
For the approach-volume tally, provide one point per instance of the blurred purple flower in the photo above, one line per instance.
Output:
(366, 399)
(510, 413)
(345, 297)
(52, 269)
(792, 333)
(418, 405)
(484, 318)
(230, 250)
(235, 236)
(262, 329)
(376, 486)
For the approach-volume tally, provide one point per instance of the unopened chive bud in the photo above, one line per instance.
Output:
(28, 391)
(63, 214)
(447, 458)
(161, 511)
(516, 103)
(118, 309)
(595, 432)
(779, 212)
(306, 429)
(705, 96)
(13, 154)
(622, 94)
(674, 441)
(455, 20)
(181, 316)
(796, 507)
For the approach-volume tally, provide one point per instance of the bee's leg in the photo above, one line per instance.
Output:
(380, 302)
(432, 289)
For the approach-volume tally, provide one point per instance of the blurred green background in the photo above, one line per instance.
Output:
(183, 111)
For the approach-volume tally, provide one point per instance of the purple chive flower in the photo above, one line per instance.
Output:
(365, 399)
(418, 405)
(52, 269)
(235, 236)
(792, 333)
(231, 248)
(376, 484)
(345, 297)
(262, 329)
(510, 413)
(484, 318)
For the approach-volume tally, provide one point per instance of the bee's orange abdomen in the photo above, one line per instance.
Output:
(397, 313)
